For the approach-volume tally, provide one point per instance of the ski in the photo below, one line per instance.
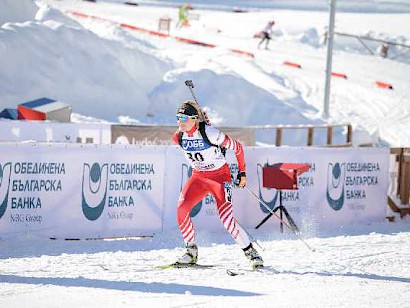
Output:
(229, 271)
(181, 265)
(259, 269)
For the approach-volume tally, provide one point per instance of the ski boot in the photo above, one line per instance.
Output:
(190, 256)
(253, 256)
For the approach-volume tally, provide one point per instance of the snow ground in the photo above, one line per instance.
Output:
(366, 267)
(90, 63)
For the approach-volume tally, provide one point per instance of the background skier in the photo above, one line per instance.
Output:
(266, 34)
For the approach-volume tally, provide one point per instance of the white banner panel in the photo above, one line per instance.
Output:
(93, 191)
(44, 131)
(344, 186)
(81, 191)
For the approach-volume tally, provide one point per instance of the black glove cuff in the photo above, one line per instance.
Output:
(239, 177)
(241, 174)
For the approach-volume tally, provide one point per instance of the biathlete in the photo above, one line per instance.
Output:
(203, 146)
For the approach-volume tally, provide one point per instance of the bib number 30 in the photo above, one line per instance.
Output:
(197, 156)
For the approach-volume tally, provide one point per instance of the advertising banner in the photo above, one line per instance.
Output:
(162, 135)
(344, 186)
(95, 191)
(142, 135)
(81, 191)
(43, 131)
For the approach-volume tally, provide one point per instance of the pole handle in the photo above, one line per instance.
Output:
(189, 83)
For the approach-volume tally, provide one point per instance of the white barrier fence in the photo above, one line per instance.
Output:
(105, 133)
(94, 191)
(48, 131)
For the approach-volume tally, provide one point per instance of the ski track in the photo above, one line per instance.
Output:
(370, 261)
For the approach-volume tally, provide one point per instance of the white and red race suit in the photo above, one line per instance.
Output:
(210, 174)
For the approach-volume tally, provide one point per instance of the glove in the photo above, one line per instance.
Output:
(241, 179)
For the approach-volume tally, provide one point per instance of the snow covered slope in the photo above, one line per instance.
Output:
(112, 74)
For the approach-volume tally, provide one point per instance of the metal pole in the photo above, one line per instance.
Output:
(329, 57)
(191, 87)
(280, 219)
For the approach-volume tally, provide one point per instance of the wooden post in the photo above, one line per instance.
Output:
(405, 180)
(399, 160)
(278, 136)
(329, 135)
(349, 134)
(310, 136)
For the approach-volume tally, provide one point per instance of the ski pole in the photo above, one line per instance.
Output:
(191, 87)
(250, 237)
(280, 219)
(253, 240)
(204, 114)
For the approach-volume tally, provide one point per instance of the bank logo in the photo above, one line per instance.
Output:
(267, 195)
(94, 190)
(5, 172)
(194, 145)
(186, 174)
(335, 192)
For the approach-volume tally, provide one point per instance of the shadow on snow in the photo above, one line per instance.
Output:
(154, 287)
(357, 275)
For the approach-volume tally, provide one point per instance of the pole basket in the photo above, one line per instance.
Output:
(282, 176)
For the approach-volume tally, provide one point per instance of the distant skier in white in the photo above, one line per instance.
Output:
(266, 34)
